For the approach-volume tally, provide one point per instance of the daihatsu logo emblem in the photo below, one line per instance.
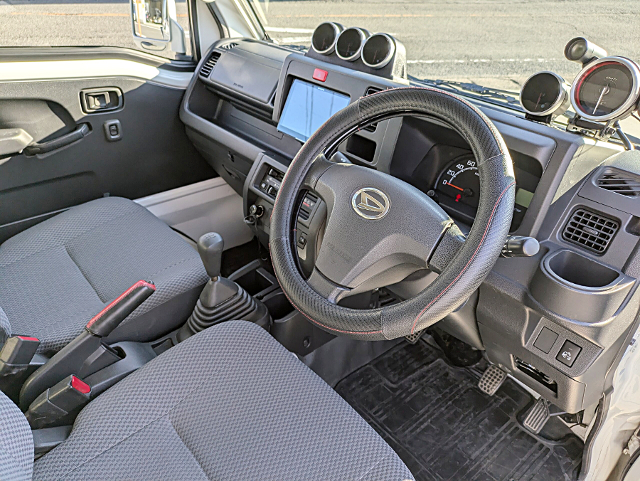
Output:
(370, 203)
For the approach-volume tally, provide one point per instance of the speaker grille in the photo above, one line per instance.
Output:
(590, 230)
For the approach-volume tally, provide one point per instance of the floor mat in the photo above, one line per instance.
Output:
(444, 428)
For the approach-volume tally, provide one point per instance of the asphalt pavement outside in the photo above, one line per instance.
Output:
(492, 42)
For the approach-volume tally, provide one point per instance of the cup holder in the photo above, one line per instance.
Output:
(579, 288)
(255, 279)
(278, 305)
(580, 271)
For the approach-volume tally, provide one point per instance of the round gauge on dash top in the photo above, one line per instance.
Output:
(324, 37)
(543, 94)
(378, 50)
(460, 181)
(349, 44)
(606, 89)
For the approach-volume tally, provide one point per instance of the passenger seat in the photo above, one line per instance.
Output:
(57, 275)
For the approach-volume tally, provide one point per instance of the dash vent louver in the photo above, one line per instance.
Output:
(208, 66)
(592, 231)
(370, 91)
(229, 46)
(619, 182)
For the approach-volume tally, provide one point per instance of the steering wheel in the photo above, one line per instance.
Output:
(380, 229)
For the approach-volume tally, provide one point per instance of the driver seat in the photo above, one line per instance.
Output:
(229, 403)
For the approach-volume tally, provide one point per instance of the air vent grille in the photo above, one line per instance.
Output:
(207, 67)
(590, 230)
(370, 91)
(619, 182)
(229, 46)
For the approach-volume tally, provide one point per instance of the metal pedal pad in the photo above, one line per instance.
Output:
(537, 416)
(491, 380)
(415, 337)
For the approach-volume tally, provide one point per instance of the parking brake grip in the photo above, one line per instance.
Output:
(87, 353)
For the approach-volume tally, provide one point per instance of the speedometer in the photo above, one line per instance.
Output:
(606, 89)
(460, 182)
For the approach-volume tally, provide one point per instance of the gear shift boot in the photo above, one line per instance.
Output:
(221, 299)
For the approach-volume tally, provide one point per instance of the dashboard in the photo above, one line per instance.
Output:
(252, 104)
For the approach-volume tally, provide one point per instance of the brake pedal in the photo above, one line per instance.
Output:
(415, 337)
(537, 416)
(491, 380)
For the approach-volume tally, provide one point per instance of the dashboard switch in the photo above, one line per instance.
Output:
(302, 241)
(320, 75)
(568, 353)
(546, 339)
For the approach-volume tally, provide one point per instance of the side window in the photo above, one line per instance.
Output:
(99, 23)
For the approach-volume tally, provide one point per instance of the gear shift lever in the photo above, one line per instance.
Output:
(210, 247)
(221, 299)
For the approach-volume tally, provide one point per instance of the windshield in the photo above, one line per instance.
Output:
(494, 43)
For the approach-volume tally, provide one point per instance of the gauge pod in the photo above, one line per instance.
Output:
(545, 93)
(378, 50)
(324, 37)
(350, 42)
(579, 49)
(606, 89)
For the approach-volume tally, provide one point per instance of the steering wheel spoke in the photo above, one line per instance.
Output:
(448, 247)
(327, 289)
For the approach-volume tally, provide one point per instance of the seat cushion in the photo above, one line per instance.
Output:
(229, 403)
(56, 275)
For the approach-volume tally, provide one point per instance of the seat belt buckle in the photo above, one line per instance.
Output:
(17, 353)
(60, 404)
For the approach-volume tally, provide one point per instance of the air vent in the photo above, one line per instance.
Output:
(370, 91)
(590, 230)
(207, 67)
(619, 182)
(229, 46)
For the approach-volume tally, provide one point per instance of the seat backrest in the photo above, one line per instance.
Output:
(16, 442)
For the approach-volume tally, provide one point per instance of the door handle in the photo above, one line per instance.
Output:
(43, 147)
(100, 100)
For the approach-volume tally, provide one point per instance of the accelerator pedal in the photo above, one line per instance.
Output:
(415, 337)
(491, 380)
(537, 416)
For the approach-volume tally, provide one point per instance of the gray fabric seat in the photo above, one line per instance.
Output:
(230, 403)
(58, 274)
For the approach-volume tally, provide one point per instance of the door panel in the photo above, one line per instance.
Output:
(153, 154)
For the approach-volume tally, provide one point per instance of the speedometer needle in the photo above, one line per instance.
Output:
(455, 187)
(605, 90)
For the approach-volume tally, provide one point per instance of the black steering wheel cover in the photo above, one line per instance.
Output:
(469, 267)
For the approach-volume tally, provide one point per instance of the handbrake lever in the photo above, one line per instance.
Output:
(72, 358)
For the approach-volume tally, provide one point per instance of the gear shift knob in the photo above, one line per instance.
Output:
(210, 247)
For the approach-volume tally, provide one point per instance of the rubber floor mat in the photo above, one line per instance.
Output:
(444, 428)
